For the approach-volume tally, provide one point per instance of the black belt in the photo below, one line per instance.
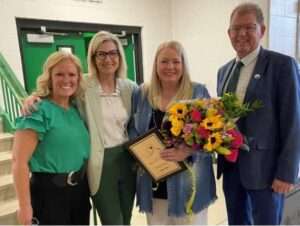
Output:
(62, 179)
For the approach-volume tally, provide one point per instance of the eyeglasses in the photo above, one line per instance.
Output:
(247, 28)
(101, 55)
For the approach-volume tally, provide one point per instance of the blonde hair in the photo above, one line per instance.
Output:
(154, 89)
(97, 40)
(44, 80)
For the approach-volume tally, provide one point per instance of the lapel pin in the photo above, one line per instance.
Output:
(257, 76)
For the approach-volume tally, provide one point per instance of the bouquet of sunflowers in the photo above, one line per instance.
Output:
(207, 124)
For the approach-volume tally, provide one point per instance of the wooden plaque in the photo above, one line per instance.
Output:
(146, 150)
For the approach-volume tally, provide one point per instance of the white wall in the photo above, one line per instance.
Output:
(153, 15)
(201, 25)
(283, 26)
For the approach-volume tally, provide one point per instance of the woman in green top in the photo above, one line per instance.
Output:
(107, 109)
(53, 145)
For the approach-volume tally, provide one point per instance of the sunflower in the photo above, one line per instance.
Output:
(211, 112)
(178, 110)
(177, 126)
(200, 103)
(213, 122)
(173, 118)
(213, 142)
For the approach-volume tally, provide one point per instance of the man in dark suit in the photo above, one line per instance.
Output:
(255, 185)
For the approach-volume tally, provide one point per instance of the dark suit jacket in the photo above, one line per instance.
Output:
(273, 131)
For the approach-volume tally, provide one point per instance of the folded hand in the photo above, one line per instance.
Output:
(25, 215)
(176, 154)
(281, 186)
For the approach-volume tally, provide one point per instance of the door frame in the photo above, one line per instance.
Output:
(34, 25)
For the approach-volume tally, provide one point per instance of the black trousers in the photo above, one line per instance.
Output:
(53, 205)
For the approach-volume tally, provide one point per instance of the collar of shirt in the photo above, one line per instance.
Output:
(104, 94)
(250, 57)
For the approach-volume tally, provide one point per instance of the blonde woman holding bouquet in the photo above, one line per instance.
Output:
(165, 202)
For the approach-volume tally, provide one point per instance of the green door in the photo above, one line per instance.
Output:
(35, 53)
(128, 44)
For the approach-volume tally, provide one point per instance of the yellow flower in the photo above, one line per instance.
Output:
(175, 121)
(173, 118)
(213, 122)
(175, 131)
(213, 142)
(179, 110)
(211, 112)
(188, 138)
(223, 150)
(229, 125)
(200, 103)
(177, 126)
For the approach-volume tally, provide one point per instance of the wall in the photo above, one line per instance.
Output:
(283, 26)
(202, 28)
(153, 15)
(201, 25)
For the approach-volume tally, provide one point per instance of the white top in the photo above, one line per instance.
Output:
(249, 62)
(115, 118)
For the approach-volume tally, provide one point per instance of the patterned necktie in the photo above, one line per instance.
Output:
(234, 78)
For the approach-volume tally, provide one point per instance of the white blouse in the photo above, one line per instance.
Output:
(115, 118)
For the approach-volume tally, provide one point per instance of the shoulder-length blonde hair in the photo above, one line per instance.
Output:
(97, 40)
(44, 80)
(154, 89)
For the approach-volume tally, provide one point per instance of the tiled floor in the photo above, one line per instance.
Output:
(216, 212)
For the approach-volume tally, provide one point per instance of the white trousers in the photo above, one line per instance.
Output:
(159, 215)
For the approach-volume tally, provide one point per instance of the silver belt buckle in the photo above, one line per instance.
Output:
(69, 179)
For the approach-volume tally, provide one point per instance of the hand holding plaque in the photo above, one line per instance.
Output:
(146, 149)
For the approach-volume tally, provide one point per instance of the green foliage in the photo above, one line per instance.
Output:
(235, 109)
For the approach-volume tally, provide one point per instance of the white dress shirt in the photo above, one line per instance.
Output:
(249, 62)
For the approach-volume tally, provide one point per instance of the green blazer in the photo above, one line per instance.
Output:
(91, 109)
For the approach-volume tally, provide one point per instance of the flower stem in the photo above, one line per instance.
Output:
(190, 202)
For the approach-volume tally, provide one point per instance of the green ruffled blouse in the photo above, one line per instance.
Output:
(64, 142)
